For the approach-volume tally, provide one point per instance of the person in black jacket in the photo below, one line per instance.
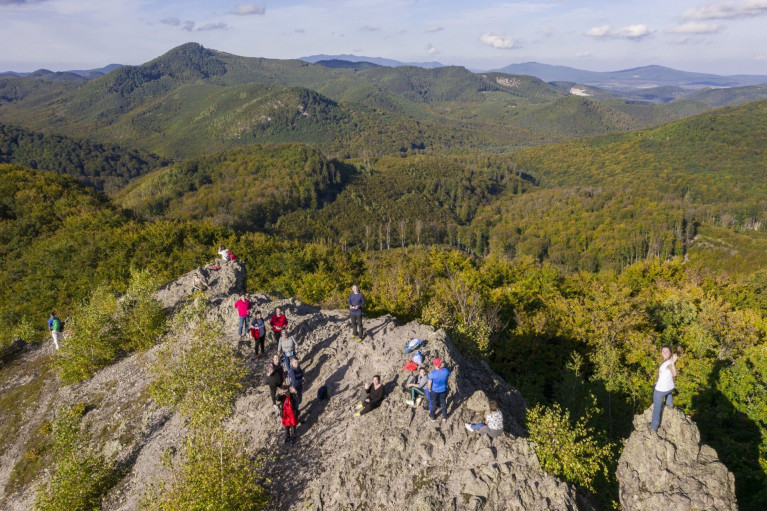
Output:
(275, 378)
(375, 394)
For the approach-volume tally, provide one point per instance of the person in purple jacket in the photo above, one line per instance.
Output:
(356, 302)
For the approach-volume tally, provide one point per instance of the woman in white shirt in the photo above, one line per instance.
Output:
(493, 425)
(664, 387)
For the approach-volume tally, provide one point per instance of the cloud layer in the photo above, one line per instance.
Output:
(635, 32)
(727, 10)
(503, 42)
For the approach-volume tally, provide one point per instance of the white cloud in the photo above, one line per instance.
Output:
(248, 9)
(547, 31)
(727, 10)
(431, 49)
(695, 27)
(212, 26)
(188, 25)
(583, 54)
(634, 32)
(503, 42)
(433, 29)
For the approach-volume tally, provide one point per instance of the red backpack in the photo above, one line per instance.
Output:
(288, 415)
(232, 257)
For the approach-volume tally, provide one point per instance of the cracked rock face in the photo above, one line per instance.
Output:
(671, 469)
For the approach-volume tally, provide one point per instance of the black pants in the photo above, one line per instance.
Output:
(259, 343)
(290, 431)
(273, 391)
(356, 324)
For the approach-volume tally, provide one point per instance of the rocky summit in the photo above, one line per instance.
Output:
(391, 458)
(671, 469)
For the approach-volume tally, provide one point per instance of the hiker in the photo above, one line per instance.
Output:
(289, 413)
(417, 387)
(356, 302)
(275, 379)
(374, 392)
(296, 375)
(286, 348)
(278, 322)
(243, 309)
(493, 425)
(224, 253)
(438, 389)
(664, 386)
(258, 333)
(57, 328)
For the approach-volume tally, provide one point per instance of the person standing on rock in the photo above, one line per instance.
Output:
(278, 322)
(243, 310)
(56, 327)
(438, 389)
(258, 333)
(664, 387)
(356, 302)
(275, 379)
(289, 414)
(493, 425)
(286, 348)
(374, 396)
(296, 375)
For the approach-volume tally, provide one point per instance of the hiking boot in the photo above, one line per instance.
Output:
(357, 414)
(287, 438)
(467, 426)
(293, 440)
(418, 401)
(360, 406)
(409, 402)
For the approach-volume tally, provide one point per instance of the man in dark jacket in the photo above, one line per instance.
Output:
(356, 302)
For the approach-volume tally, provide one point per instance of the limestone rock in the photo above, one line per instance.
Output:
(670, 469)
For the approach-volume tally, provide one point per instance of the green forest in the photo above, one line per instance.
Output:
(468, 202)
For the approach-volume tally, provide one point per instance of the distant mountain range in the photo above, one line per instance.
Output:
(75, 75)
(638, 77)
(314, 59)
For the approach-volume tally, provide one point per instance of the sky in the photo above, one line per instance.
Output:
(719, 36)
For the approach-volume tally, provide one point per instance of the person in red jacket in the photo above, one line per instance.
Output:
(243, 309)
(289, 414)
(278, 322)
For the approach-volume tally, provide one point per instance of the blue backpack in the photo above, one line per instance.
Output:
(413, 345)
(418, 357)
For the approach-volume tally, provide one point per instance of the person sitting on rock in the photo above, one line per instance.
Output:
(286, 348)
(438, 389)
(274, 378)
(278, 322)
(417, 388)
(664, 387)
(243, 310)
(374, 394)
(493, 425)
(198, 282)
(258, 333)
(224, 253)
(289, 413)
(296, 375)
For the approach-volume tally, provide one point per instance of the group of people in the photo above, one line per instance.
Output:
(286, 388)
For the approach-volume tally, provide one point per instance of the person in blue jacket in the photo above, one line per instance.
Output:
(438, 389)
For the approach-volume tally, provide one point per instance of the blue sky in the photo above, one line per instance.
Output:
(723, 37)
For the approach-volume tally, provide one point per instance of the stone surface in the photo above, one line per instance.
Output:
(670, 469)
(392, 458)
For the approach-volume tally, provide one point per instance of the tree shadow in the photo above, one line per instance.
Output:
(736, 439)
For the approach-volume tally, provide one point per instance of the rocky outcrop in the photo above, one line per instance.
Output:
(671, 469)
(392, 458)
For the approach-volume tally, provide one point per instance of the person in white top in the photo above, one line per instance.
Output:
(664, 387)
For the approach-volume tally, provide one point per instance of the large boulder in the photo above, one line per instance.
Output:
(671, 469)
(219, 284)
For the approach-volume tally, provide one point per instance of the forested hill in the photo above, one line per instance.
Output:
(105, 167)
(195, 100)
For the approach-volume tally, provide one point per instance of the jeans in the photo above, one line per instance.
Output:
(657, 406)
(286, 360)
(244, 324)
(414, 391)
(477, 427)
(356, 324)
(436, 397)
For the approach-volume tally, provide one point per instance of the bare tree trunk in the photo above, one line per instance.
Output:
(388, 235)
(402, 226)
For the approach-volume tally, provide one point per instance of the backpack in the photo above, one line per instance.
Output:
(322, 393)
(232, 257)
(56, 325)
(413, 345)
(418, 357)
